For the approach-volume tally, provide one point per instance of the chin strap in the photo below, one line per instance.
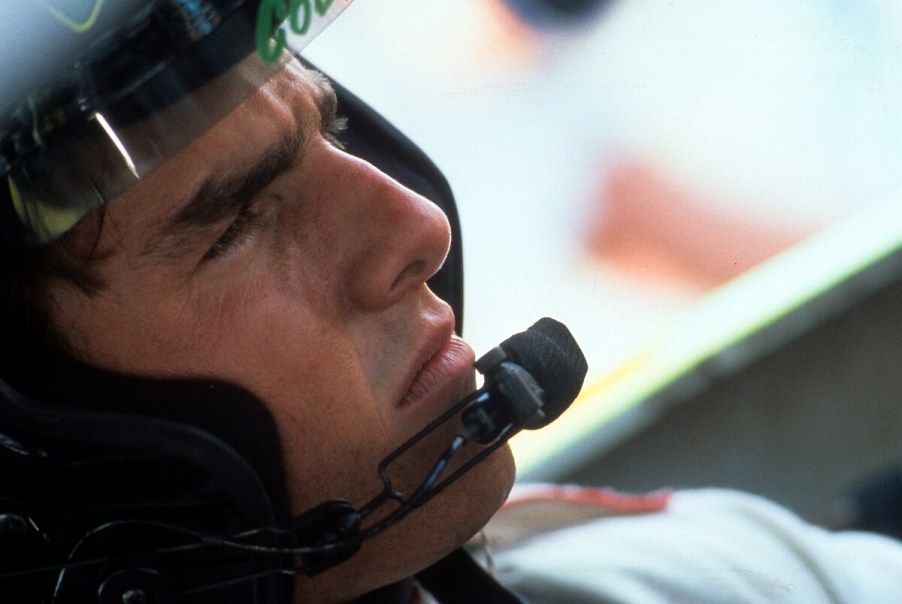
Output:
(458, 578)
(402, 592)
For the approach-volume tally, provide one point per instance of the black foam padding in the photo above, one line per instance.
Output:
(549, 352)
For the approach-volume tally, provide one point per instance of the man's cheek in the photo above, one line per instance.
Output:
(330, 462)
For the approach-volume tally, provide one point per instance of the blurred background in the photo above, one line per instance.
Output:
(672, 180)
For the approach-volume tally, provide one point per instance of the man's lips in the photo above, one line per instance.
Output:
(442, 373)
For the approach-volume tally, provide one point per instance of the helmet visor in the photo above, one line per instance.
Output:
(100, 127)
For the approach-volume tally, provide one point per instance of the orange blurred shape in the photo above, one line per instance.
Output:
(647, 225)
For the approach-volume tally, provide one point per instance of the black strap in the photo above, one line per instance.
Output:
(458, 578)
(396, 593)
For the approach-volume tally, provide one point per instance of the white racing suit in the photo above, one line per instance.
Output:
(572, 545)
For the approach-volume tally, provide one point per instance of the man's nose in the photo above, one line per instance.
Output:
(402, 239)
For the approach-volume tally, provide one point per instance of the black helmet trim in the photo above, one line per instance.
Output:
(116, 468)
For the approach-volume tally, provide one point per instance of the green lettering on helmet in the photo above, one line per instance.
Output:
(270, 44)
(302, 27)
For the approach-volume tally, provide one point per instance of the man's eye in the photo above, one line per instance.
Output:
(235, 235)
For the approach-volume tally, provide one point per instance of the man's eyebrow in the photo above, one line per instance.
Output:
(224, 195)
(326, 102)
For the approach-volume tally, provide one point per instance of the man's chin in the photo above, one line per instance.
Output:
(421, 539)
(475, 497)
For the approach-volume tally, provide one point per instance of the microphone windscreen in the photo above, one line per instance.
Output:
(548, 351)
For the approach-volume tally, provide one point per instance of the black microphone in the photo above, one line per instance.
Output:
(531, 378)
(549, 352)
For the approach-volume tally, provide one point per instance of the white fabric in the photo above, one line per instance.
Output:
(707, 546)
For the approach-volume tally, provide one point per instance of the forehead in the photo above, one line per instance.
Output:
(286, 103)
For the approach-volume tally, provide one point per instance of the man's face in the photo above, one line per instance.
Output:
(264, 256)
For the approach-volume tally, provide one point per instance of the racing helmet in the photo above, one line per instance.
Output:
(119, 489)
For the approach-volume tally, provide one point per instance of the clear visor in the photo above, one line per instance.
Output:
(82, 166)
